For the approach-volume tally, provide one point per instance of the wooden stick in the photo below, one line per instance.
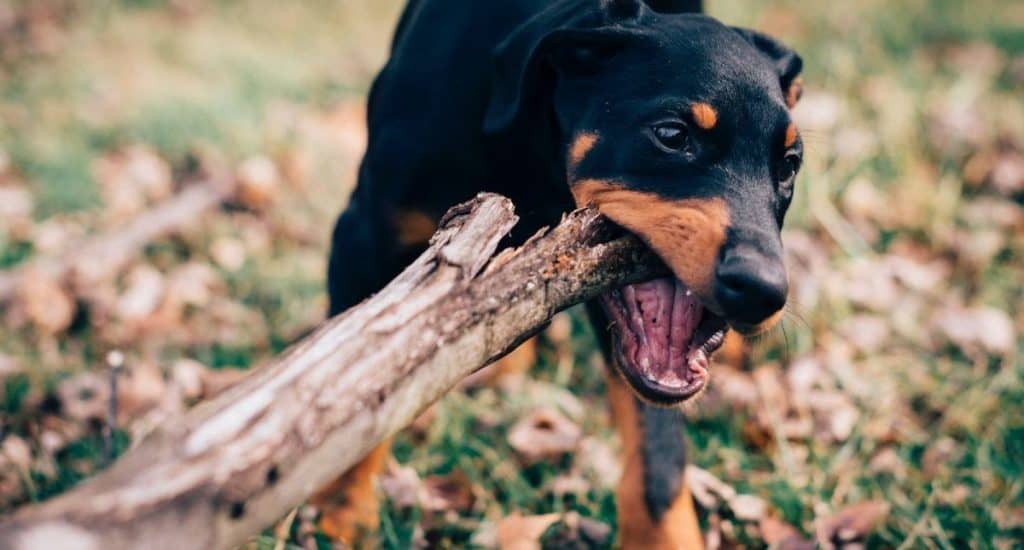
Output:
(98, 258)
(234, 465)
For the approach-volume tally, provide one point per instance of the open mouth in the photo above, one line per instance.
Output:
(663, 338)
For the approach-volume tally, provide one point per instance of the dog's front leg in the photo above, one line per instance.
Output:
(655, 506)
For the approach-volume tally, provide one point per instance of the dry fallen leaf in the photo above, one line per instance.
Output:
(140, 388)
(853, 523)
(47, 305)
(84, 396)
(597, 458)
(519, 532)
(130, 179)
(17, 451)
(16, 207)
(575, 531)
(193, 284)
(783, 536)
(142, 295)
(1007, 174)
(259, 182)
(748, 507)
(544, 433)
(402, 486)
(229, 253)
(707, 489)
(445, 493)
(977, 329)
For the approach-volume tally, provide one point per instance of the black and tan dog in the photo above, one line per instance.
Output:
(672, 124)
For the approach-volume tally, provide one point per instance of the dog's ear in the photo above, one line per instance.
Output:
(676, 6)
(560, 39)
(787, 62)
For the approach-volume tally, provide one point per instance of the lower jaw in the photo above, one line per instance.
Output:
(677, 376)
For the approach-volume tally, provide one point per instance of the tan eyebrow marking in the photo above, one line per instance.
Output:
(704, 115)
(582, 145)
(791, 134)
(795, 91)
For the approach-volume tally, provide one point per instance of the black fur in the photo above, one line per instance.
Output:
(664, 456)
(488, 96)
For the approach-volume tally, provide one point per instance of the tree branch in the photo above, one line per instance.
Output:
(231, 466)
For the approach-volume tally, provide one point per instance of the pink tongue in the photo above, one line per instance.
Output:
(660, 318)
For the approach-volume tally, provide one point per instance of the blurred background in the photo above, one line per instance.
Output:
(890, 406)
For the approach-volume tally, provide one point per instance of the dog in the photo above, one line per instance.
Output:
(673, 125)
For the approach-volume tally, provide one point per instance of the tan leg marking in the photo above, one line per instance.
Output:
(414, 227)
(704, 115)
(518, 361)
(678, 528)
(686, 233)
(349, 506)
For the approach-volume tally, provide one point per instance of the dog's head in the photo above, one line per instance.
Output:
(677, 128)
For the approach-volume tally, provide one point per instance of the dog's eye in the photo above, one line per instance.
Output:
(789, 167)
(672, 136)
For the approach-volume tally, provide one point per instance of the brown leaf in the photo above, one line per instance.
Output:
(575, 531)
(47, 305)
(187, 376)
(783, 536)
(229, 253)
(853, 523)
(707, 489)
(748, 507)
(1007, 174)
(402, 486)
(139, 389)
(16, 206)
(130, 179)
(258, 181)
(17, 451)
(142, 295)
(519, 532)
(545, 433)
(598, 460)
(977, 329)
(450, 492)
(940, 453)
(84, 396)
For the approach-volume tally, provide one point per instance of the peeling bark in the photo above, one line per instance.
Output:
(232, 466)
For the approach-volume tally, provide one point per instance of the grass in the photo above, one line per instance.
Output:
(938, 430)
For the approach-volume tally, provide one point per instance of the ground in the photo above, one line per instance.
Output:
(888, 407)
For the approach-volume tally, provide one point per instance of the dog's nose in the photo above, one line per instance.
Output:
(751, 286)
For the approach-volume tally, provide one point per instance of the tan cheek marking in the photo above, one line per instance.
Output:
(791, 135)
(414, 227)
(704, 115)
(795, 91)
(687, 234)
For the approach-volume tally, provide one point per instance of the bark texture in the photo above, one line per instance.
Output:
(231, 466)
